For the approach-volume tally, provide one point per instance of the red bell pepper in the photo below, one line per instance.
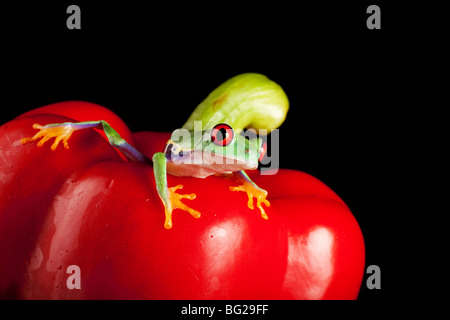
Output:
(90, 208)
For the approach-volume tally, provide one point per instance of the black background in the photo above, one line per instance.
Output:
(152, 64)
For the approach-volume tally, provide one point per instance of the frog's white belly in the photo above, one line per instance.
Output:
(202, 167)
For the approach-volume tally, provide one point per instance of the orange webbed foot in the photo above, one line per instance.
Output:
(254, 191)
(61, 132)
(174, 202)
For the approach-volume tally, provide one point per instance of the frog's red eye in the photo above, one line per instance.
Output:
(222, 135)
(262, 151)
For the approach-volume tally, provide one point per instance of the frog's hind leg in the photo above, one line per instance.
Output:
(63, 132)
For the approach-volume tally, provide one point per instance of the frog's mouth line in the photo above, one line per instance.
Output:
(201, 164)
(176, 154)
(205, 158)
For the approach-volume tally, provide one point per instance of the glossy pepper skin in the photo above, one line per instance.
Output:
(87, 206)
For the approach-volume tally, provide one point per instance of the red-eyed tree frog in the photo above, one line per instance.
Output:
(209, 142)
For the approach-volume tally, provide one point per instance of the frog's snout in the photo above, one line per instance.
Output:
(173, 151)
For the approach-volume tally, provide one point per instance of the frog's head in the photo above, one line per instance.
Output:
(218, 150)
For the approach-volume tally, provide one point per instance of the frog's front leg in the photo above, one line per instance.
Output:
(169, 197)
(253, 191)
